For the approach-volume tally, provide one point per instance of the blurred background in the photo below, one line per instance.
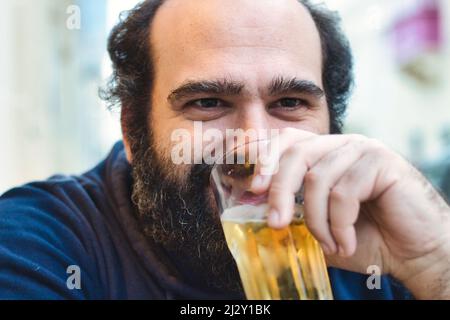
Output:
(53, 59)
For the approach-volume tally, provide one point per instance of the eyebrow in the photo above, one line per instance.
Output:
(226, 87)
(281, 86)
(215, 87)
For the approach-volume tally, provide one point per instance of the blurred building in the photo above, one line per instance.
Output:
(51, 119)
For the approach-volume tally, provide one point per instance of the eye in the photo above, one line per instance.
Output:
(290, 103)
(209, 103)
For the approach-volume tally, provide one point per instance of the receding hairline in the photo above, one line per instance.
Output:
(152, 45)
(166, 3)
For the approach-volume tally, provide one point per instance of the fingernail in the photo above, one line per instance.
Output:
(259, 182)
(274, 218)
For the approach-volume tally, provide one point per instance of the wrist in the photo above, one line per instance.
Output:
(428, 277)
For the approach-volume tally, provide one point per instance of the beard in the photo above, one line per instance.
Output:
(178, 213)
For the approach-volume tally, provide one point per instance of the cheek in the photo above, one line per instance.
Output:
(163, 147)
(318, 123)
(316, 126)
(165, 122)
(170, 131)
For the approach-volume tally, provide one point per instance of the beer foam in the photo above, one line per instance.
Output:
(249, 212)
(246, 212)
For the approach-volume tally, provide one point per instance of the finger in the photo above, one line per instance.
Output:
(318, 182)
(303, 155)
(364, 256)
(282, 190)
(268, 160)
(269, 156)
(354, 187)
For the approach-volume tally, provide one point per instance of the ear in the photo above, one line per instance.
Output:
(126, 142)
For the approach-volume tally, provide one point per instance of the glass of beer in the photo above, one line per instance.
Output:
(286, 264)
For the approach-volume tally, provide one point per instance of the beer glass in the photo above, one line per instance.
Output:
(286, 264)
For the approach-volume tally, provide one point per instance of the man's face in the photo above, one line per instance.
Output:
(232, 65)
(248, 43)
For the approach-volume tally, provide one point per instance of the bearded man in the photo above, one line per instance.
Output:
(138, 226)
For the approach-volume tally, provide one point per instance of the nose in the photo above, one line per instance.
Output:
(253, 116)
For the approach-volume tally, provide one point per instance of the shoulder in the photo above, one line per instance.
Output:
(43, 232)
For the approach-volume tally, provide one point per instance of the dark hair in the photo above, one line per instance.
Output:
(131, 82)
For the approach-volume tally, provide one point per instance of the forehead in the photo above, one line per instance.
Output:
(235, 38)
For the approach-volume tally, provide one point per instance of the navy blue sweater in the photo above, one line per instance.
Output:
(88, 221)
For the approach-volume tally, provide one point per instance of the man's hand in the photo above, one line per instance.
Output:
(365, 204)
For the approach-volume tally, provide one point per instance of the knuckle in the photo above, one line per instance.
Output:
(337, 230)
(299, 150)
(295, 151)
(277, 188)
(376, 146)
(337, 195)
(312, 178)
(375, 142)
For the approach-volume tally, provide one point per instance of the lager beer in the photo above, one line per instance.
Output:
(285, 264)
(275, 264)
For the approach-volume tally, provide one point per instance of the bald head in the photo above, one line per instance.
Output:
(219, 38)
(225, 23)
